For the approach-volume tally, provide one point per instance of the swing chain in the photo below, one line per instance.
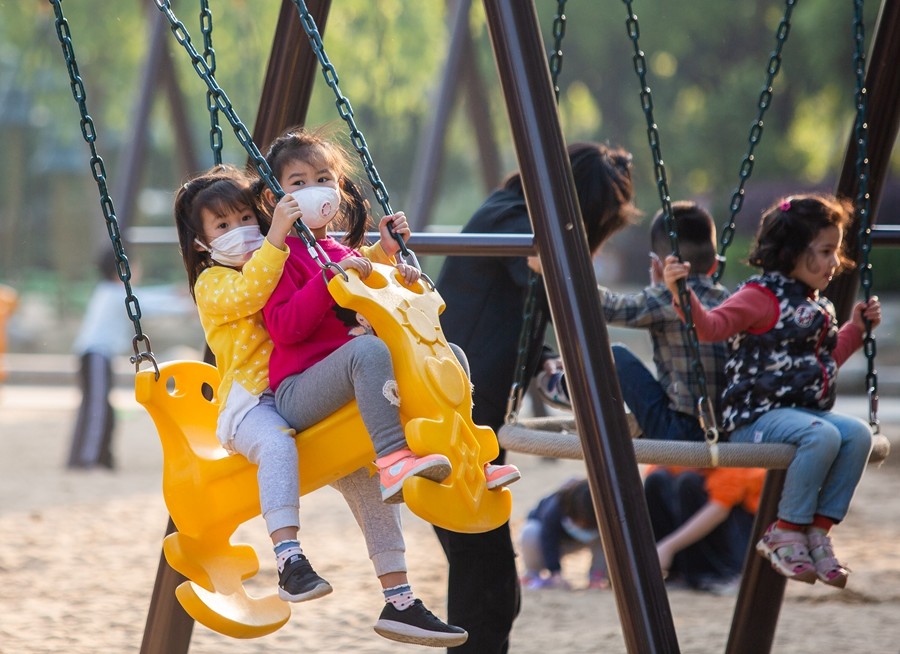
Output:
(98, 170)
(862, 204)
(209, 56)
(556, 56)
(662, 185)
(240, 130)
(520, 383)
(345, 110)
(756, 132)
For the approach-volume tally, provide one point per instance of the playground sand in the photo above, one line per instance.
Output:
(79, 554)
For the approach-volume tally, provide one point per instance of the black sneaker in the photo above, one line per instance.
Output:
(298, 582)
(419, 626)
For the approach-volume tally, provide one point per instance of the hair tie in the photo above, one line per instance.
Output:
(785, 205)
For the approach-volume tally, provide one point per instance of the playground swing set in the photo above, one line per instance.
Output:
(209, 493)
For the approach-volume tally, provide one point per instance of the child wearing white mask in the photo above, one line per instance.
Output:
(234, 255)
(324, 356)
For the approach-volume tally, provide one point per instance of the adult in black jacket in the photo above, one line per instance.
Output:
(485, 299)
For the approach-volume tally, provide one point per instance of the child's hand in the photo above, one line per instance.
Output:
(535, 264)
(360, 264)
(673, 271)
(397, 222)
(666, 555)
(410, 274)
(656, 270)
(286, 213)
(870, 312)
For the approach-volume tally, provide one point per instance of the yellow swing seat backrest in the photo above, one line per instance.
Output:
(209, 492)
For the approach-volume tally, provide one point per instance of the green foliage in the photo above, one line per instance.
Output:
(707, 62)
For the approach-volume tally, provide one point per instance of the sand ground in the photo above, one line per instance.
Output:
(79, 552)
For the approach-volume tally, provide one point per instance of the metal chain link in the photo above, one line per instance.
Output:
(862, 204)
(520, 384)
(556, 56)
(209, 56)
(706, 412)
(345, 110)
(98, 170)
(756, 132)
(243, 135)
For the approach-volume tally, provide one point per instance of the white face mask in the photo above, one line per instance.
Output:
(234, 247)
(319, 205)
(581, 534)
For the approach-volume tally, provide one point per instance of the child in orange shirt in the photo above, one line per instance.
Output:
(702, 520)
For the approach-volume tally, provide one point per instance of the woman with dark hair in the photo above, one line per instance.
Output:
(485, 299)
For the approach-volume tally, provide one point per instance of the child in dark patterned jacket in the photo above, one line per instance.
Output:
(785, 349)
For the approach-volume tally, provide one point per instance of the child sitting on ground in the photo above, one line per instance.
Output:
(702, 521)
(561, 524)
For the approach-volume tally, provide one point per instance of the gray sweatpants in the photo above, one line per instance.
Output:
(266, 440)
(359, 370)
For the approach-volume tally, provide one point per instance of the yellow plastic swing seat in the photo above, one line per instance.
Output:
(209, 492)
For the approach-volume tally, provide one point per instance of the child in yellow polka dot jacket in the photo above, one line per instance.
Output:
(234, 255)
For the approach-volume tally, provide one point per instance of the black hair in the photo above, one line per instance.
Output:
(791, 224)
(604, 188)
(222, 188)
(575, 502)
(298, 143)
(696, 235)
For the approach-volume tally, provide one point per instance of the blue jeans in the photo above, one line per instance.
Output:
(832, 452)
(649, 402)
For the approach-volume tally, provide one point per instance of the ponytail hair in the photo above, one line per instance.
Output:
(223, 187)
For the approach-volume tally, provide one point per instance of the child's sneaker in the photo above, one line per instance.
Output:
(788, 553)
(828, 568)
(419, 626)
(553, 389)
(298, 582)
(498, 476)
(397, 467)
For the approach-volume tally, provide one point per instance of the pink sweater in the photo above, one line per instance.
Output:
(305, 323)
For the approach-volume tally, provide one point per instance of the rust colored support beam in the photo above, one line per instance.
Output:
(762, 589)
(168, 628)
(290, 74)
(883, 118)
(643, 606)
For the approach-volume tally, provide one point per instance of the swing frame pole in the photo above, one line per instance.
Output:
(643, 607)
(883, 118)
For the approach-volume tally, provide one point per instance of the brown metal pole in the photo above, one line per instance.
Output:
(762, 589)
(427, 164)
(624, 523)
(290, 74)
(883, 118)
(168, 629)
(479, 110)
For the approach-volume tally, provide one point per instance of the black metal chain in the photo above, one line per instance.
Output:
(98, 170)
(242, 133)
(556, 56)
(756, 132)
(706, 412)
(861, 135)
(520, 383)
(345, 110)
(209, 56)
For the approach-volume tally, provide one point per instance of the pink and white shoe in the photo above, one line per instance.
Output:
(397, 467)
(498, 476)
